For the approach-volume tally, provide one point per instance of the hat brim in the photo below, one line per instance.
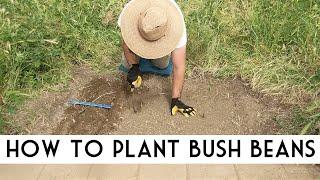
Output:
(151, 49)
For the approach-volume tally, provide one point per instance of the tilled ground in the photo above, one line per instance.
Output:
(224, 107)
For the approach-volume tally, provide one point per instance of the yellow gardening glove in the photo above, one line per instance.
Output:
(178, 106)
(134, 77)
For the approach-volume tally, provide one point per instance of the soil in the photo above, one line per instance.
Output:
(84, 120)
(223, 107)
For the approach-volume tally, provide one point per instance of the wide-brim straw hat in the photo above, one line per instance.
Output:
(151, 28)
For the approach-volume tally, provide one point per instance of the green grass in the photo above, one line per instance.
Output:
(40, 42)
(274, 45)
(2, 122)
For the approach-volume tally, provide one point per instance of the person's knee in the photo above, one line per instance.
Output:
(161, 63)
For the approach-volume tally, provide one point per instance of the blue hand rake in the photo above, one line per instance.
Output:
(90, 104)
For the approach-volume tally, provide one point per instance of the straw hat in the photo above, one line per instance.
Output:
(151, 28)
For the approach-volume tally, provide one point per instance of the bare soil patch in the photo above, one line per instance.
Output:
(88, 120)
(224, 107)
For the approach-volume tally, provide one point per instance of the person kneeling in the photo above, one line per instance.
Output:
(155, 30)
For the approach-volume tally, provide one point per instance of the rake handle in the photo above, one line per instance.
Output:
(90, 104)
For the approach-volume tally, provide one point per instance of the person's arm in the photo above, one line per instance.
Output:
(179, 68)
(134, 76)
(129, 55)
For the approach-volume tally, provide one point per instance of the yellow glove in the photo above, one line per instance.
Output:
(178, 106)
(134, 77)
